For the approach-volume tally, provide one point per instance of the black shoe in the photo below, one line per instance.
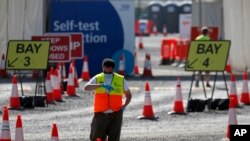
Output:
(208, 85)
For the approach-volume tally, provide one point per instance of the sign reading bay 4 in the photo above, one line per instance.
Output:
(27, 55)
(207, 55)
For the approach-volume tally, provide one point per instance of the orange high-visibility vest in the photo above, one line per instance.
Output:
(112, 100)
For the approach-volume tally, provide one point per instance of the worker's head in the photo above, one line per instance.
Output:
(108, 65)
(204, 30)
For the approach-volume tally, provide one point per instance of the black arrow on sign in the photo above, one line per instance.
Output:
(189, 65)
(10, 63)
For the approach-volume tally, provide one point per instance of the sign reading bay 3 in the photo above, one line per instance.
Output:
(207, 55)
(27, 55)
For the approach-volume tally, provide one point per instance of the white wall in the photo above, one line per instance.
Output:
(19, 19)
(237, 29)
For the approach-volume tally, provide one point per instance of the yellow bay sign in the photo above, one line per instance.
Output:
(27, 55)
(207, 55)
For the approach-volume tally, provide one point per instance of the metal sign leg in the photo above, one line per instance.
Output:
(215, 79)
(204, 89)
(224, 77)
(190, 90)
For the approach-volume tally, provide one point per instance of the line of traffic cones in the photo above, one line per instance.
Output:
(148, 108)
(5, 130)
(178, 103)
(19, 136)
(147, 72)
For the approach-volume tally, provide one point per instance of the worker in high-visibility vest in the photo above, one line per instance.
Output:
(109, 89)
(204, 36)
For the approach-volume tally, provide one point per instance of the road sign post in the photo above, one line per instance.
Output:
(29, 55)
(207, 56)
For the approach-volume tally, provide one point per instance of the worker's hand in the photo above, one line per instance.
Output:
(107, 87)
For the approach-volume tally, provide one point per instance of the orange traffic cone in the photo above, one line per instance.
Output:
(85, 69)
(14, 99)
(19, 129)
(3, 72)
(49, 90)
(178, 104)
(121, 65)
(148, 108)
(5, 131)
(228, 66)
(231, 115)
(147, 72)
(57, 89)
(54, 133)
(63, 72)
(136, 67)
(155, 30)
(71, 91)
(165, 31)
(244, 98)
(233, 90)
(141, 46)
(75, 77)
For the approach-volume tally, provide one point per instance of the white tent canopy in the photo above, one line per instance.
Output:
(20, 19)
(237, 22)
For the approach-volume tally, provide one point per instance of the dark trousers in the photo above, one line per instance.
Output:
(104, 125)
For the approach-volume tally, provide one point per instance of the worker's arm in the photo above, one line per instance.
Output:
(90, 87)
(128, 98)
